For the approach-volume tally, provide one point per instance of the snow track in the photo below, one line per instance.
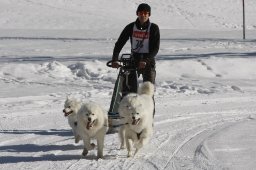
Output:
(178, 141)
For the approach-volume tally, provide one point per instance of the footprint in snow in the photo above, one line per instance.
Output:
(235, 88)
(218, 75)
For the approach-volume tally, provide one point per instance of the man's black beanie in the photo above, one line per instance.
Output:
(144, 7)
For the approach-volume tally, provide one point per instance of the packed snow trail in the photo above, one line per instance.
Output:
(39, 136)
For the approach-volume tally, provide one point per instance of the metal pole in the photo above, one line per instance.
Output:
(243, 21)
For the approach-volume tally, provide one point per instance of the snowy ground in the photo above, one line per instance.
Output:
(205, 89)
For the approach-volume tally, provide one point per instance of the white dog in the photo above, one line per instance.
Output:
(92, 124)
(70, 110)
(137, 110)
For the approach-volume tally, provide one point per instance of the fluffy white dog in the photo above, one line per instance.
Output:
(70, 110)
(137, 110)
(92, 124)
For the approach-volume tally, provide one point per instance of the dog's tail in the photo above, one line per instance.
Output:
(146, 88)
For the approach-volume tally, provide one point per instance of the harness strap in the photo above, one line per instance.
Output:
(115, 126)
(138, 135)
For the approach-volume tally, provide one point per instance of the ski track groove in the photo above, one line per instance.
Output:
(225, 117)
(129, 162)
(217, 123)
(73, 164)
(180, 146)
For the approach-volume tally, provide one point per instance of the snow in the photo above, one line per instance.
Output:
(205, 87)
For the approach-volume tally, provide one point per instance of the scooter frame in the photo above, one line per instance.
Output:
(126, 65)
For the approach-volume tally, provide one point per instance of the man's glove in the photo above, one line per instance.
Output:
(115, 64)
(142, 64)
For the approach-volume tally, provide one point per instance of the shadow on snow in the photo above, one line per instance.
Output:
(107, 58)
(206, 55)
(47, 157)
(38, 148)
(56, 132)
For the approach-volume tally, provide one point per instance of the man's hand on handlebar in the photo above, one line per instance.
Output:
(115, 64)
(142, 64)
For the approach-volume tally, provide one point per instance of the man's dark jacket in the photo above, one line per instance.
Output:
(154, 40)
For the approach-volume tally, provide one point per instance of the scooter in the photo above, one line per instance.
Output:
(121, 88)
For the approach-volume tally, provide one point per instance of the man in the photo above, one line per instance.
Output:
(145, 40)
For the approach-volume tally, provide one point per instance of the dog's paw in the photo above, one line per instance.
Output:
(99, 156)
(85, 152)
(129, 154)
(136, 151)
(138, 145)
(77, 139)
(92, 146)
(122, 147)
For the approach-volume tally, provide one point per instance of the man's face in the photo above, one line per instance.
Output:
(143, 16)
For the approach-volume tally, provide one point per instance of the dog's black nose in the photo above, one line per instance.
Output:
(133, 117)
(64, 110)
(89, 119)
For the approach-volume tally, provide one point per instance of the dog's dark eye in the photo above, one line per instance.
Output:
(137, 113)
(69, 106)
(93, 114)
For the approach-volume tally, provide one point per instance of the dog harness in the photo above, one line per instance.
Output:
(138, 135)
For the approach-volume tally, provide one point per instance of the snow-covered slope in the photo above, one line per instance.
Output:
(105, 15)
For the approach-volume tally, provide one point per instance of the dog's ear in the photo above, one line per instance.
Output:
(68, 96)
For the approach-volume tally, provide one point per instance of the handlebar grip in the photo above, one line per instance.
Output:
(109, 63)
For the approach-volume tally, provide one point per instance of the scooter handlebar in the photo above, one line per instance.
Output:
(109, 63)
